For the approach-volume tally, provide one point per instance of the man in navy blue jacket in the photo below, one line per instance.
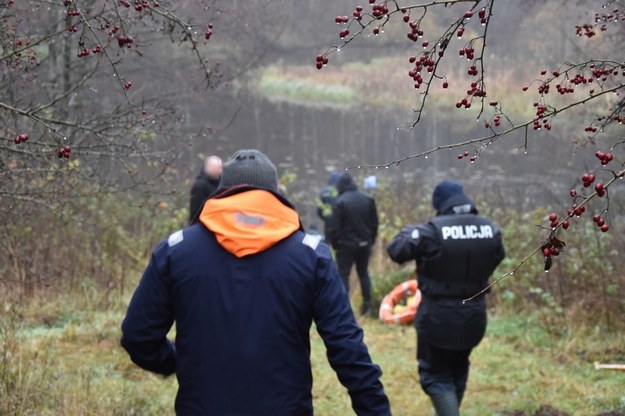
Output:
(243, 285)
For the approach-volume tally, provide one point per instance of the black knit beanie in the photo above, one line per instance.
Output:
(249, 167)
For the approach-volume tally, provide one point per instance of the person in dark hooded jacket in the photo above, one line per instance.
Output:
(352, 230)
(456, 253)
(204, 185)
(243, 286)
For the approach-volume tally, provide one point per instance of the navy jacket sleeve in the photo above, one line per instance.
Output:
(343, 338)
(150, 317)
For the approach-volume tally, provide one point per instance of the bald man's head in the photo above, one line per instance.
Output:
(212, 167)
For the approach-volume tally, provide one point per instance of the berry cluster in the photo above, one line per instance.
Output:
(603, 20)
(465, 154)
(322, 60)
(468, 52)
(123, 40)
(415, 33)
(605, 158)
(554, 222)
(86, 51)
(419, 64)
(64, 152)
(588, 179)
(576, 210)
(552, 247)
(378, 10)
(20, 138)
(600, 222)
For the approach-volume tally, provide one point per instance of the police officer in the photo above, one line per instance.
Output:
(456, 252)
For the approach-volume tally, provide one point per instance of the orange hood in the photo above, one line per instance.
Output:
(249, 222)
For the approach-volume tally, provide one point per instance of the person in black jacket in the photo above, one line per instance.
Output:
(352, 230)
(204, 185)
(243, 286)
(456, 253)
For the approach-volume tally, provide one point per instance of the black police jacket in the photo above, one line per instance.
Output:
(455, 256)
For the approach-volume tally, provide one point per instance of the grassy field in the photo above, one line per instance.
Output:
(68, 362)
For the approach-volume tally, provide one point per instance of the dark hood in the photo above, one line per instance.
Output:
(346, 183)
(449, 198)
(248, 220)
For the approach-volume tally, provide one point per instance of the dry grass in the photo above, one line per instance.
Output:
(74, 366)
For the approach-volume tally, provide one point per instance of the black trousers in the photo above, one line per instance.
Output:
(442, 370)
(345, 258)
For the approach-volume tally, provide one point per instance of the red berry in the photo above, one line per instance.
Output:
(546, 252)
(445, 84)
(605, 228)
(468, 14)
(565, 224)
(573, 193)
(600, 222)
(599, 187)
(554, 251)
(553, 217)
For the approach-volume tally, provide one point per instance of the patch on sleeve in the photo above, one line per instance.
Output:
(311, 241)
(415, 234)
(175, 238)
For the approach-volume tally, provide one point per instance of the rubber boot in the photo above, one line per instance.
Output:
(446, 404)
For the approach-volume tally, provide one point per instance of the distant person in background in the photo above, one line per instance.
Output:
(352, 229)
(243, 286)
(204, 185)
(456, 252)
(326, 199)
